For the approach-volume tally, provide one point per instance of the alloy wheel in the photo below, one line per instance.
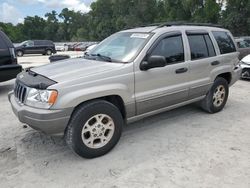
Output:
(98, 131)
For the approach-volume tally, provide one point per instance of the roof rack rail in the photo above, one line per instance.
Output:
(169, 24)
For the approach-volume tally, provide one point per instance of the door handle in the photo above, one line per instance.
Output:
(181, 70)
(215, 63)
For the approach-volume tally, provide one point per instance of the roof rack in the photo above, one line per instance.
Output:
(180, 23)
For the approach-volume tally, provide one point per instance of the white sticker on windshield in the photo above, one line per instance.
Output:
(139, 35)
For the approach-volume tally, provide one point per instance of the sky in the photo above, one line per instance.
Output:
(14, 11)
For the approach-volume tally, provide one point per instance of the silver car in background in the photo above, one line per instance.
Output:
(130, 75)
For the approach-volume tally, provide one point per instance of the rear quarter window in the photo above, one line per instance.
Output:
(224, 41)
(5, 42)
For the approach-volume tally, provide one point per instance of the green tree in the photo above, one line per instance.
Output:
(33, 27)
(52, 26)
(236, 17)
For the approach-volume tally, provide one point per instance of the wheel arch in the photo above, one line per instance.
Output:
(227, 76)
(116, 100)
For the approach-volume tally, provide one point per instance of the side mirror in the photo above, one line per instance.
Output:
(153, 62)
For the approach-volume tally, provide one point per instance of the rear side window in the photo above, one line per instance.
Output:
(201, 46)
(5, 41)
(225, 42)
(171, 48)
(2, 44)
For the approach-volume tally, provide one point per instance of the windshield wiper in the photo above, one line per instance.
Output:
(105, 58)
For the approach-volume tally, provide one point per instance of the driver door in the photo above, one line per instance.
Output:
(158, 88)
(29, 47)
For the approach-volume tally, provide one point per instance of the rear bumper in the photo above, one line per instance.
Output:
(8, 72)
(52, 122)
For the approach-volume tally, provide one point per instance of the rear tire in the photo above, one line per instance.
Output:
(94, 129)
(217, 96)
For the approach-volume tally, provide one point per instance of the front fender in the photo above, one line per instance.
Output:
(74, 98)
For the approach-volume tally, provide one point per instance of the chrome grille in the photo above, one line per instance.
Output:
(20, 92)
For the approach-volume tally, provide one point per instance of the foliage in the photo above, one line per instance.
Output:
(110, 16)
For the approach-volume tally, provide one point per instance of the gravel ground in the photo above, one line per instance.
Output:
(185, 147)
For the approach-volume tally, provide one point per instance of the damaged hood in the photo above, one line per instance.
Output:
(246, 59)
(72, 69)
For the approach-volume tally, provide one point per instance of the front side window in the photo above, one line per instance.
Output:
(27, 43)
(171, 48)
(30, 43)
(224, 41)
(121, 47)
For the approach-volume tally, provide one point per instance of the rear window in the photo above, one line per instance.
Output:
(224, 41)
(43, 42)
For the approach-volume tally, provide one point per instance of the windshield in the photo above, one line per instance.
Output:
(121, 47)
(23, 43)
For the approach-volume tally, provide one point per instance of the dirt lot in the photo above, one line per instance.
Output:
(181, 148)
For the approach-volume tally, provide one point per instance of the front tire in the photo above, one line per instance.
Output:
(94, 129)
(217, 96)
(19, 53)
(49, 52)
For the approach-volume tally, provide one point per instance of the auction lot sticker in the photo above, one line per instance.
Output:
(139, 35)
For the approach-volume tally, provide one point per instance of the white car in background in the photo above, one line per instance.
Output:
(245, 64)
(62, 48)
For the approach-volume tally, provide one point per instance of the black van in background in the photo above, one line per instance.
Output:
(8, 61)
(44, 47)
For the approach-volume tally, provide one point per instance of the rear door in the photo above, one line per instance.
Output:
(40, 46)
(158, 88)
(228, 54)
(202, 61)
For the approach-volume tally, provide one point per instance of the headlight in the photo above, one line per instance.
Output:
(41, 98)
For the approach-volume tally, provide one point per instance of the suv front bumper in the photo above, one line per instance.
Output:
(52, 122)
